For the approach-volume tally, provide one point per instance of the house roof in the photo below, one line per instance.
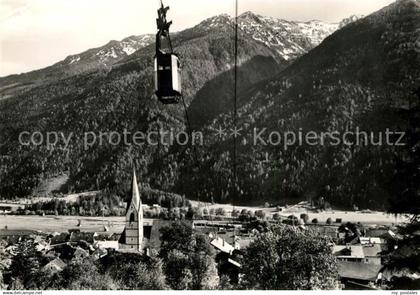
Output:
(56, 264)
(356, 251)
(235, 263)
(370, 240)
(42, 245)
(376, 232)
(222, 245)
(80, 252)
(60, 239)
(107, 244)
(99, 253)
(115, 236)
(372, 250)
(121, 239)
(82, 236)
(358, 271)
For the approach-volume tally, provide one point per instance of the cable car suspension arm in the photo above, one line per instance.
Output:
(163, 26)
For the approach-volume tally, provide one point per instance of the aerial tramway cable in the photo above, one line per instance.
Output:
(235, 105)
(168, 87)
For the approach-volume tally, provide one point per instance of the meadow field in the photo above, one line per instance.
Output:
(51, 224)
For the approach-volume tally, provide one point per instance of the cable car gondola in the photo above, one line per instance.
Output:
(168, 87)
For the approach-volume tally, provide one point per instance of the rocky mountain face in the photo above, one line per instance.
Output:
(110, 53)
(358, 76)
(298, 38)
(291, 39)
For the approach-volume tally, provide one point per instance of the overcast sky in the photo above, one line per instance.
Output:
(38, 33)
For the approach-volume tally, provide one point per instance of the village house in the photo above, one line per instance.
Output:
(227, 259)
(54, 266)
(371, 240)
(358, 275)
(359, 265)
(107, 244)
(349, 253)
(80, 254)
(373, 252)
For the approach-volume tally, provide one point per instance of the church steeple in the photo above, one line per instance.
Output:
(135, 195)
(132, 237)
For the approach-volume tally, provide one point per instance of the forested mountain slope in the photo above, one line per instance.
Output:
(358, 78)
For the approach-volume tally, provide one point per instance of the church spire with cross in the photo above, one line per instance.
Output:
(132, 237)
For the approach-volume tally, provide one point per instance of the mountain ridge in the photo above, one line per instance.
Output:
(358, 75)
(132, 43)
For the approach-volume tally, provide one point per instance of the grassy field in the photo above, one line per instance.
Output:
(372, 218)
(50, 224)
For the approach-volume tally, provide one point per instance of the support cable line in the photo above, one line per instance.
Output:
(168, 74)
(235, 104)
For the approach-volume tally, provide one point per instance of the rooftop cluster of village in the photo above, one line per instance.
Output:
(358, 249)
(203, 248)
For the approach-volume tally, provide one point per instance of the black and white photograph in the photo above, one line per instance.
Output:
(213, 145)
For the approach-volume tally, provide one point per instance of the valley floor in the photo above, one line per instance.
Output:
(116, 224)
(51, 224)
(372, 217)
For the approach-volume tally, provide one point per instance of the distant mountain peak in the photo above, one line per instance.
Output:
(112, 51)
(249, 14)
(216, 21)
(290, 39)
(350, 19)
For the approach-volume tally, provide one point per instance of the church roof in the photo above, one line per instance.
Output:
(135, 194)
(121, 240)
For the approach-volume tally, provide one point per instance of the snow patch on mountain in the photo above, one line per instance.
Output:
(111, 52)
(74, 59)
(128, 49)
(291, 39)
(317, 30)
(132, 44)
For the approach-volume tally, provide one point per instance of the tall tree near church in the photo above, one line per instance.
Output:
(286, 258)
(188, 258)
